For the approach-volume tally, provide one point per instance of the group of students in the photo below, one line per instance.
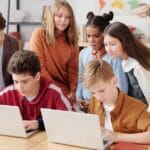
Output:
(53, 74)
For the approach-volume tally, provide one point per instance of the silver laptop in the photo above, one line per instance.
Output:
(11, 123)
(73, 128)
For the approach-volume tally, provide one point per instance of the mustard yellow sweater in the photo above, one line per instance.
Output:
(129, 115)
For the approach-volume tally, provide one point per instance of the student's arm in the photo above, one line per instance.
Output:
(79, 89)
(141, 138)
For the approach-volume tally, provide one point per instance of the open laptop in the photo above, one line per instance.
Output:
(73, 128)
(11, 123)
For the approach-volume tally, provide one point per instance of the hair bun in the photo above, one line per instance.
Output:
(108, 16)
(90, 15)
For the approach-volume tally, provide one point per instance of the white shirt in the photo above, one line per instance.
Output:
(108, 123)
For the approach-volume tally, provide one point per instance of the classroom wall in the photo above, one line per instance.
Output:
(35, 12)
(81, 8)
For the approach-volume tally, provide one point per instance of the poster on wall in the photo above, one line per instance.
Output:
(118, 6)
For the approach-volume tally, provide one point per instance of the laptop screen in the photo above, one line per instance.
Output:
(73, 128)
(12, 123)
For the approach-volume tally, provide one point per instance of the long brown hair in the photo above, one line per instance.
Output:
(2, 22)
(130, 43)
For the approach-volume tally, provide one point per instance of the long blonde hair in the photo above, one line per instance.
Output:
(71, 33)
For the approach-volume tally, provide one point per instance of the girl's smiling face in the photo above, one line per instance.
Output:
(62, 19)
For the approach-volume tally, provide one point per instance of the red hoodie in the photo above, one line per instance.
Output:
(49, 96)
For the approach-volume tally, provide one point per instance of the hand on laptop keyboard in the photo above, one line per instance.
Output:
(109, 135)
(31, 124)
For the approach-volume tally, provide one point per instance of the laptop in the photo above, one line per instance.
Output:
(73, 128)
(11, 123)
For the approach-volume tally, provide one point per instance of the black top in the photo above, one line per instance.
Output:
(134, 88)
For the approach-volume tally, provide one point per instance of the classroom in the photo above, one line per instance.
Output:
(75, 75)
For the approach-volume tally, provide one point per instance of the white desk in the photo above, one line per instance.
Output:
(47, 145)
(16, 143)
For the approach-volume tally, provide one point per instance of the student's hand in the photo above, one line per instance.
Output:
(96, 54)
(83, 104)
(71, 95)
(31, 124)
(79, 100)
(109, 135)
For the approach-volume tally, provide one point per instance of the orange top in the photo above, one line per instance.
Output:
(59, 63)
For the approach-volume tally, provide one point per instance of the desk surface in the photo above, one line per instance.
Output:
(15, 143)
(47, 145)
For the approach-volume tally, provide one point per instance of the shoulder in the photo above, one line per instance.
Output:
(132, 102)
(38, 36)
(116, 63)
(50, 85)
(111, 60)
(7, 90)
(11, 39)
(125, 105)
(85, 50)
(60, 95)
(132, 63)
(129, 64)
(85, 54)
(38, 31)
(55, 88)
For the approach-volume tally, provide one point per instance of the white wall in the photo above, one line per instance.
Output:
(82, 7)
(3, 7)
(33, 9)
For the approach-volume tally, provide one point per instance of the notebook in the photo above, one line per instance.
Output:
(73, 128)
(11, 123)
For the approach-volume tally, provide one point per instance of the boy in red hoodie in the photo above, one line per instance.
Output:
(30, 90)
